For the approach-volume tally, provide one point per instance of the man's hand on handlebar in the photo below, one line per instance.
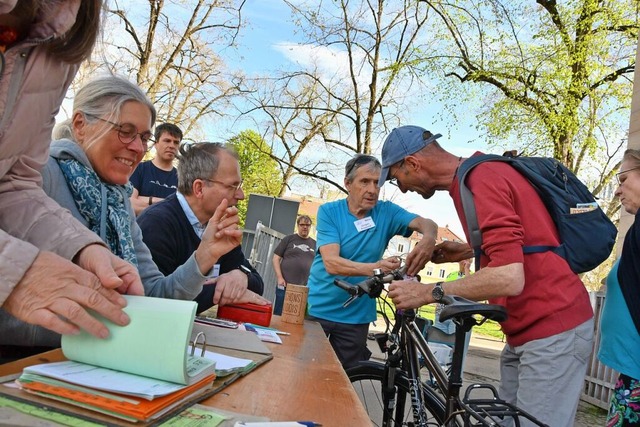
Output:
(371, 286)
(407, 294)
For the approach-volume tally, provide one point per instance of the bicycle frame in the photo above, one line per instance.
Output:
(411, 364)
(412, 344)
(480, 411)
(449, 386)
(407, 344)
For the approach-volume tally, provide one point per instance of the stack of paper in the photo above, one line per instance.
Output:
(125, 406)
(227, 365)
(139, 373)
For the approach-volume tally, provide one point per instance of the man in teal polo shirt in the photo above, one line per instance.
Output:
(352, 236)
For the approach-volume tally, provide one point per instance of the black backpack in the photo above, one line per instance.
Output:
(586, 234)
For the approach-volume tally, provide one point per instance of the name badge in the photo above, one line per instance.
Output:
(215, 272)
(364, 224)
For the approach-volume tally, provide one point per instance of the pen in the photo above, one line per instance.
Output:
(277, 424)
(267, 329)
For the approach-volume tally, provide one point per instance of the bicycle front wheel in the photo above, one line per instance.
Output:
(367, 380)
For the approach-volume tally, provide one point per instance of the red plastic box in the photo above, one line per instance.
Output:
(248, 313)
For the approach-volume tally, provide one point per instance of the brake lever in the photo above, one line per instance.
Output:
(351, 299)
(372, 286)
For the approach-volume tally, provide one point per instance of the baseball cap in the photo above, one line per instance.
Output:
(402, 142)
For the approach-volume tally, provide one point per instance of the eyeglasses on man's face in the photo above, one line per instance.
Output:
(304, 224)
(394, 180)
(127, 132)
(234, 187)
(619, 176)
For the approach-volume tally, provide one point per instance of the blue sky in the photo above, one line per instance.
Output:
(270, 43)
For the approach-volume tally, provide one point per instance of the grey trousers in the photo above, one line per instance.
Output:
(545, 377)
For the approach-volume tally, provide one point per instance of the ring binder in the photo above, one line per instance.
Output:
(194, 345)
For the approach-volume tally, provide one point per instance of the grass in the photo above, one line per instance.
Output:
(489, 328)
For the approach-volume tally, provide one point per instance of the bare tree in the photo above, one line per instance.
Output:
(355, 83)
(170, 48)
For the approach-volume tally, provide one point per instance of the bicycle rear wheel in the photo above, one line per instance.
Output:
(367, 380)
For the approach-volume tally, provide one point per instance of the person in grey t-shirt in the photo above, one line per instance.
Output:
(292, 259)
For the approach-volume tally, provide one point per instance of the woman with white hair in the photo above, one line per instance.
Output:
(89, 176)
(620, 320)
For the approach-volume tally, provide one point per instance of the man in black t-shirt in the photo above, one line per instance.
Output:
(157, 179)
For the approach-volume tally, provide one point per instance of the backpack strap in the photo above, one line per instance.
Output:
(469, 206)
(537, 248)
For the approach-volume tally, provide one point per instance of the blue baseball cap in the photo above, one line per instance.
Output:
(400, 143)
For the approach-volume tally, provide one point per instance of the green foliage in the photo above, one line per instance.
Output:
(260, 172)
(556, 77)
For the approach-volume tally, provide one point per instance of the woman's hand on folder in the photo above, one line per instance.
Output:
(55, 293)
(112, 271)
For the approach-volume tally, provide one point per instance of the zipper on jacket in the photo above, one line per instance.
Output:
(14, 84)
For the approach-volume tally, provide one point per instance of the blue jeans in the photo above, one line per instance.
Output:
(277, 306)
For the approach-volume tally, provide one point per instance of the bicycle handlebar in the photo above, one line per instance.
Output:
(454, 305)
(371, 286)
(352, 289)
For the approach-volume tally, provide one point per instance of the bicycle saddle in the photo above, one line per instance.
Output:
(459, 307)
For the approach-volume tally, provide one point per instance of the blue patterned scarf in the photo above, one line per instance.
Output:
(88, 192)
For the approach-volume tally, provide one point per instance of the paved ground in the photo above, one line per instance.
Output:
(481, 366)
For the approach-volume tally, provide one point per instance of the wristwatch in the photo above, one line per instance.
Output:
(245, 270)
(437, 293)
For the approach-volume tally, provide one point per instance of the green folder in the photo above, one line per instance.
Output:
(155, 343)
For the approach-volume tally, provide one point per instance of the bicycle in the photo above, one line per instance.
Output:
(385, 387)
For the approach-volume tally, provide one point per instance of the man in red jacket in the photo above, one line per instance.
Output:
(550, 326)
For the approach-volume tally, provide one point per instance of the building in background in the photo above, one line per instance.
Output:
(431, 272)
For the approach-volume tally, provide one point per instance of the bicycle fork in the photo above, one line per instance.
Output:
(412, 365)
(391, 400)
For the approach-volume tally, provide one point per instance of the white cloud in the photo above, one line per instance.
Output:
(328, 61)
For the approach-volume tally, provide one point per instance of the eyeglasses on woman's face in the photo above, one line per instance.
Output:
(619, 176)
(127, 132)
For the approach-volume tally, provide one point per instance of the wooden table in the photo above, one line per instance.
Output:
(304, 381)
